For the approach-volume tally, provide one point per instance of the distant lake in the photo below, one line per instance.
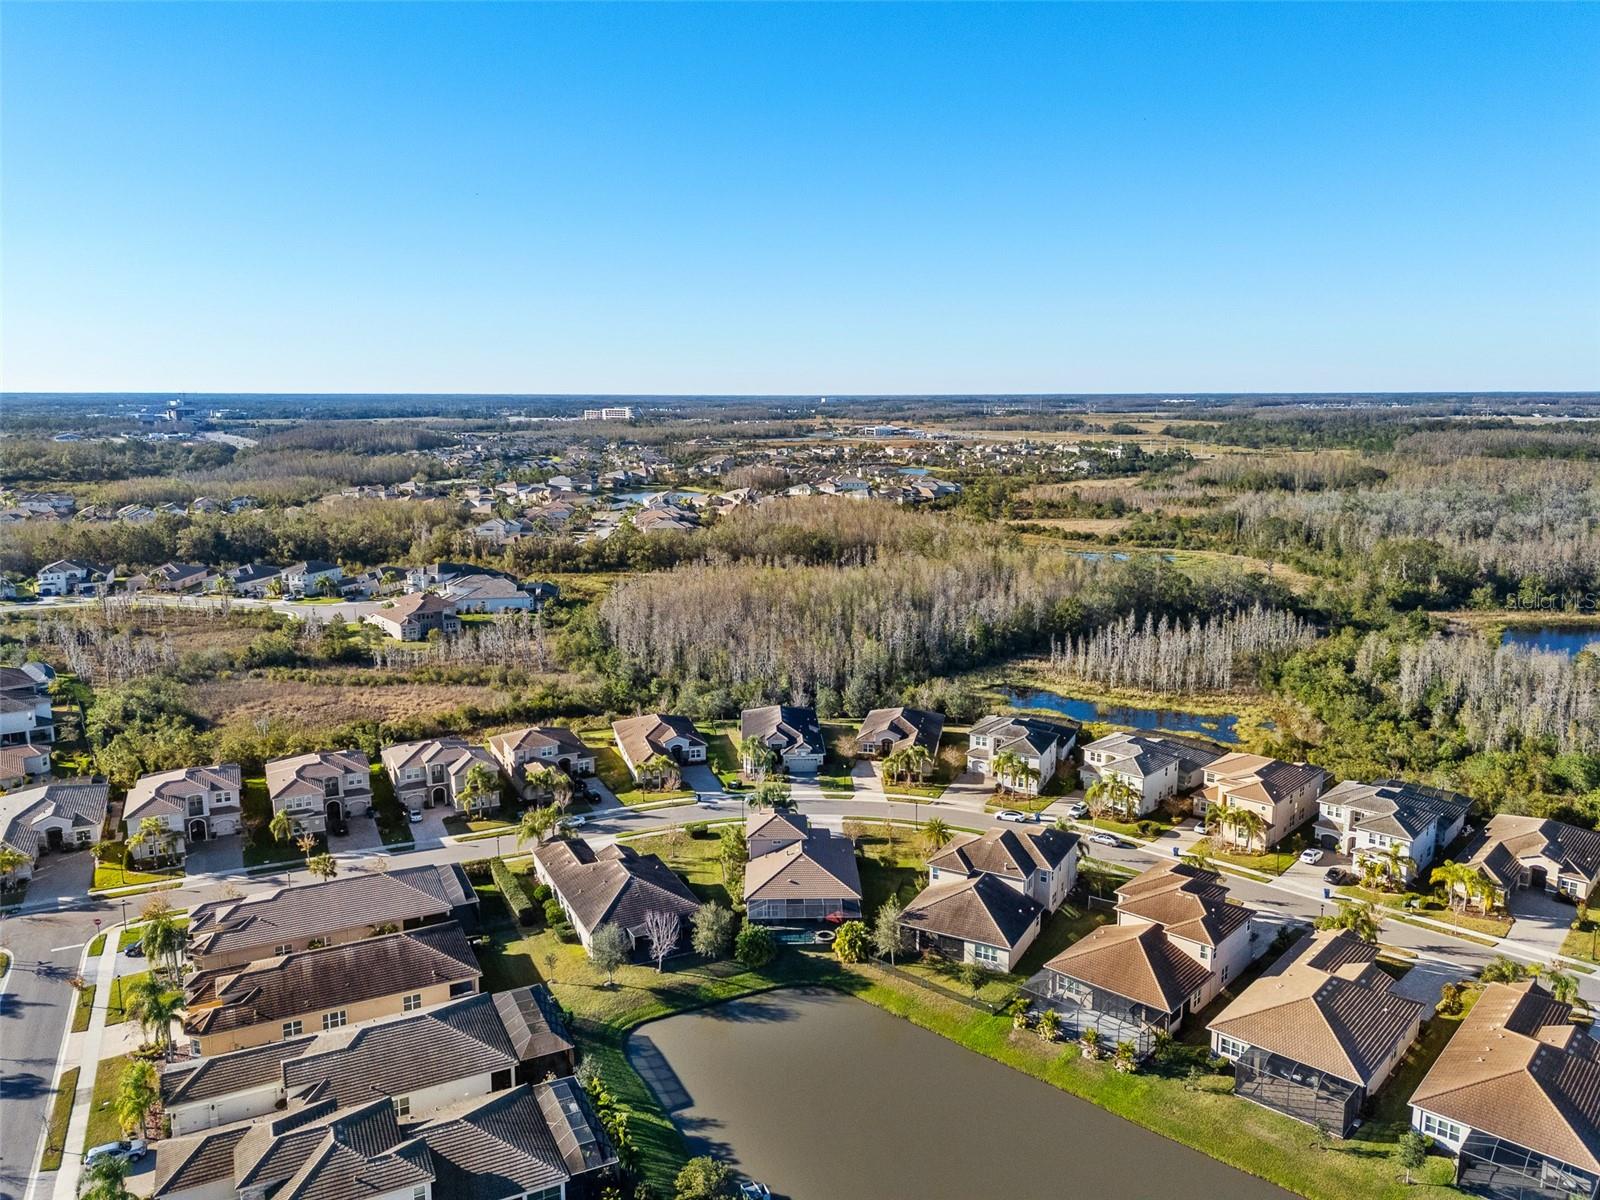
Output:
(1219, 727)
(1114, 556)
(1558, 639)
(913, 470)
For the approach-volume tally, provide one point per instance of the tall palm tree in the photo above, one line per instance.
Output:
(1114, 793)
(1562, 984)
(1360, 919)
(164, 941)
(919, 760)
(152, 1007)
(12, 860)
(1220, 817)
(138, 1092)
(1398, 863)
(1457, 880)
(1008, 766)
(1252, 825)
(480, 789)
(758, 758)
(536, 823)
(894, 765)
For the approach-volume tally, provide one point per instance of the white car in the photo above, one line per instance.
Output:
(1104, 839)
(1011, 814)
(1313, 855)
(1077, 810)
(573, 822)
(131, 1151)
(414, 816)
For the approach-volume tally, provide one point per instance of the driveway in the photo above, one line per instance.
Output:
(1539, 920)
(363, 835)
(430, 831)
(217, 856)
(1307, 878)
(61, 876)
(701, 778)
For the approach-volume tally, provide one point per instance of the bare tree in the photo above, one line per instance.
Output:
(662, 928)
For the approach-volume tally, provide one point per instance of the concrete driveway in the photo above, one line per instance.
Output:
(225, 854)
(65, 875)
(1307, 878)
(363, 835)
(1540, 920)
(701, 778)
(430, 832)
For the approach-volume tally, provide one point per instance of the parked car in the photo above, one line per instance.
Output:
(573, 822)
(1011, 814)
(1311, 855)
(1105, 839)
(1339, 876)
(1203, 829)
(749, 1189)
(1077, 810)
(135, 949)
(414, 816)
(130, 1151)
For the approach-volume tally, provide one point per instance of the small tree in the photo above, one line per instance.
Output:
(106, 1179)
(322, 866)
(12, 861)
(754, 947)
(935, 833)
(705, 1178)
(663, 929)
(1360, 919)
(1562, 984)
(1089, 1042)
(608, 950)
(536, 823)
(712, 930)
(771, 793)
(850, 943)
(138, 1092)
(479, 790)
(734, 853)
(1411, 1151)
(280, 827)
(151, 1006)
(1503, 970)
(757, 758)
(1125, 1057)
(888, 937)
(1048, 1026)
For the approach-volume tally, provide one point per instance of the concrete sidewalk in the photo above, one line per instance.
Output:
(89, 1049)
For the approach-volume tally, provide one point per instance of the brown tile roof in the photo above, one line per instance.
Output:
(1137, 962)
(820, 866)
(79, 802)
(787, 728)
(1573, 848)
(978, 909)
(537, 737)
(1325, 1007)
(904, 726)
(225, 1074)
(617, 884)
(644, 737)
(1189, 902)
(511, 1143)
(305, 774)
(1010, 853)
(1257, 777)
(272, 989)
(1508, 1073)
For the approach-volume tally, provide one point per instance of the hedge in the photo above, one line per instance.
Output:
(511, 888)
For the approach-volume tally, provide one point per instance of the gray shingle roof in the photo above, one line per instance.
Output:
(786, 728)
(1011, 853)
(616, 885)
(79, 803)
(518, 1141)
(978, 909)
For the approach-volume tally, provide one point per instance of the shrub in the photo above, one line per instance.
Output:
(755, 947)
(1147, 829)
(851, 942)
(696, 829)
(553, 913)
(511, 889)
(564, 931)
(542, 893)
(1450, 998)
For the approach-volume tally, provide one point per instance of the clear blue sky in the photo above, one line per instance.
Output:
(763, 198)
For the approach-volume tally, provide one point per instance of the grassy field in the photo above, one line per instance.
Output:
(335, 702)
(55, 1143)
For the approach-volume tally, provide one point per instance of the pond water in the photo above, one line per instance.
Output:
(824, 1097)
(1219, 727)
(1560, 639)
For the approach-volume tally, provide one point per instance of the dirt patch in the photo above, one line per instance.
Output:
(316, 704)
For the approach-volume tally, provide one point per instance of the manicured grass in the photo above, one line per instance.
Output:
(55, 1142)
(5, 962)
(697, 860)
(109, 875)
(1391, 1112)
(121, 986)
(103, 1124)
(722, 756)
(1061, 928)
(393, 827)
(135, 931)
(1022, 803)
(1130, 829)
(1583, 940)
(613, 771)
(1269, 862)
(98, 945)
(83, 1008)
(1489, 925)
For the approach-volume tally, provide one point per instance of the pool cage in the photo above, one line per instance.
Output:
(1501, 1170)
(1298, 1091)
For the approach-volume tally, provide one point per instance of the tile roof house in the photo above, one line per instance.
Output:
(1316, 1036)
(313, 787)
(53, 816)
(1369, 820)
(641, 738)
(791, 730)
(413, 617)
(487, 594)
(273, 999)
(543, 746)
(434, 772)
(194, 804)
(1515, 1095)
(885, 730)
(1284, 795)
(26, 715)
(1042, 746)
(979, 919)
(1156, 767)
(23, 763)
(1519, 852)
(800, 873)
(613, 886)
(346, 908)
(1193, 908)
(430, 1059)
(1040, 863)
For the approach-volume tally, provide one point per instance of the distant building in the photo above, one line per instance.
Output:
(618, 412)
(412, 618)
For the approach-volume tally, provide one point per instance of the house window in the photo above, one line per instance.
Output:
(412, 1002)
(334, 1019)
(1229, 1047)
(1438, 1127)
(420, 1192)
(402, 1106)
(197, 806)
(987, 955)
(283, 949)
(293, 1029)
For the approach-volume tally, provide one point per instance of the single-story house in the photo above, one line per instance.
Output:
(195, 804)
(412, 618)
(641, 738)
(1040, 863)
(1155, 767)
(978, 919)
(1041, 746)
(487, 594)
(886, 730)
(792, 731)
(62, 815)
(1537, 852)
(1316, 1036)
(312, 788)
(800, 873)
(613, 886)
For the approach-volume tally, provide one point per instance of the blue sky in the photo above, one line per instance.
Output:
(770, 198)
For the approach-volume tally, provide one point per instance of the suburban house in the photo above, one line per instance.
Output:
(528, 1143)
(1515, 1096)
(1316, 1036)
(487, 594)
(412, 618)
(1284, 795)
(69, 577)
(23, 763)
(331, 912)
(789, 730)
(1041, 747)
(1040, 863)
(1536, 852)
(434, 772)
(425, 1061)
(639, 739)
(316, 788)
(979, 919)
(313, 578)
(614, 886)
(886, 730)
(329, 987)
(1402, 825)
(26, 718)
(173, 577)
(797, 873)
(254, 580)
(1193, 907)
(1155, 768)
(53, 816)
(540, 746)
(196, 804)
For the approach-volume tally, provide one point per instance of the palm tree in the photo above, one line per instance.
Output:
(479, 789)
(1008, 766)
(1220, 817)
(1398, 864)
(12, 860)
(1359, 919)
(152, 831)
(1111, 793)
(1563, 985)
(771, 794)
(936, 833)
(323, 866)
(1459, 881)
(919, 761)
(138, 1092)
(106, 1179)
(152, 1007)
(1252, 825)
(758, 758)
(894, 765)
(536, 822)
(280, 827)
(164, 942)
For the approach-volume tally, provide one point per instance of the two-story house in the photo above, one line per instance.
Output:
(1040, 746)
(316, 788)
(1154, 768)
(1402, 826)
(26, 718)
(196, 804)
(1040, 863)
(312, 578)
(434, 772)
(1283, 795)
(540, 746)
(70, 577)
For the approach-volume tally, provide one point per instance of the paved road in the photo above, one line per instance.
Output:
(47, 945)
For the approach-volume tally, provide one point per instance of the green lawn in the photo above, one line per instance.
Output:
(109, 875)
(103, 1124)
(1061, 928)
(722, 755)
(120, 986)
(697, 860)
(1022, 803)
(96, 946)
(135, 931)
(1434, 909)
(393, 827)
(83, 1008)
(60, 1117)
(1269, 862)
(1130, 829)
(613, 771)
(1583, 941)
